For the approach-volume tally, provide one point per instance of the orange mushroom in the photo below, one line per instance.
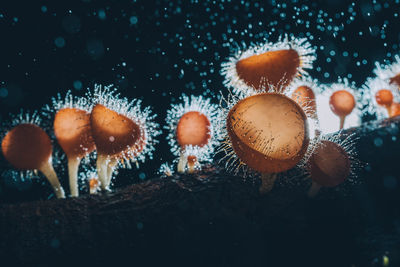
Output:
(193, 129)
(395, 109)
(113, 134)
(73, 133)
(28, 147)
(305, 97)
(384, 98)
(329, 166)
(269, 133)
(342, 103)
(276, 67)
(94, 185)
(395, 79)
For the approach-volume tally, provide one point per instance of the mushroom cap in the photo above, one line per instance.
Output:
(395, 109)
(395, 79)
(272, 65)
(269, 132)
(113, 133)
(305, 97)
(73, 132)
(342, 103)
(27, 147)
(329, 164)
(384, 97)
(193, 129)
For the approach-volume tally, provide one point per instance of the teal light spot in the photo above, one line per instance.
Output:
(101, 14)
(77, 85)
(133, 20)
(59, 42)
(3, 92)
(142, 176)
(44, 9)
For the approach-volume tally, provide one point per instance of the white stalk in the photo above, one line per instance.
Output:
(73, 166)
(342, 120)
(191, 167)
(110, 169)
(267, 182)
(48, 171)
(94, 189)
(314, 189)
(182, 163)
(102, 165)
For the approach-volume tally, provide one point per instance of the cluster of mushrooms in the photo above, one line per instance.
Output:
(269, 123)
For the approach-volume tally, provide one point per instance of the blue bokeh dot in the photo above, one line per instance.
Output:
(77, 85)
(59, 42)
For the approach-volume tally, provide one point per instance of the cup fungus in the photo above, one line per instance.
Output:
(194, 131)
(275, 64)
(121, 132)
(395, 109)
(342, 103)
(94, 185)
(73, 132)
(28, 147)
(384, 97)
(305, 98)
(304, 91)
(329, 165)
(269, 133)
(389, 73)
(380, 98)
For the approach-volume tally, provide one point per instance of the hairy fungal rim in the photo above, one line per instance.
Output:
(301, 45)
(132, 109)
(371, 87)
(236, 164)
(389, 71)
(23, 117)
(203, 106)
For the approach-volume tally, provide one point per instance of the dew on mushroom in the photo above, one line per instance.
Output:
(343, 101)
(194, 131)
(331, 163)
(389, 73)
(269, 133)
(275, 64)
(380, 98)
(121, 130)
(304, 91)
(73, 132)
(26, 146)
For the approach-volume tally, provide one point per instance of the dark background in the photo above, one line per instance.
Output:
(155, 50)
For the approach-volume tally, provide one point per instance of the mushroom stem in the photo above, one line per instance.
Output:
(191, 163)
(342, 119)
(182, 163)
(93, 186)
(48, 171)
(102, 170)
(317, 130)
(314, 189)
(110, 169)
(267, 182)
(389, 110)
(73, 166)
